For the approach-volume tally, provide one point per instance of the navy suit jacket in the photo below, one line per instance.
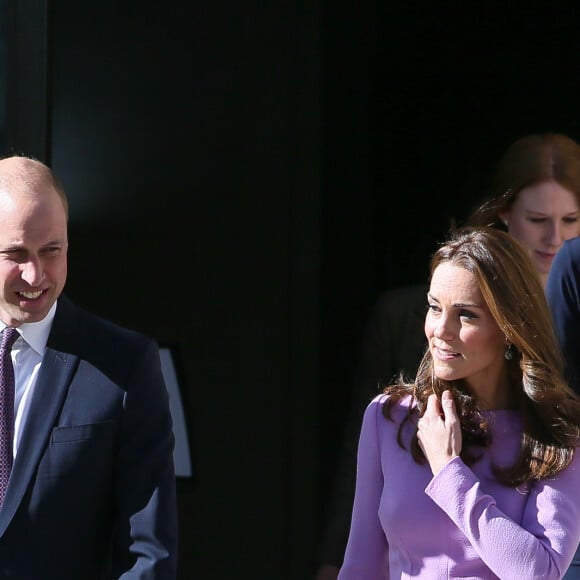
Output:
(92, 490)
(563, 295)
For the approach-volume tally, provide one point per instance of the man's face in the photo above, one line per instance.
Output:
(33, 255)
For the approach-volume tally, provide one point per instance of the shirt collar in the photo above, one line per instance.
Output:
(36, 333)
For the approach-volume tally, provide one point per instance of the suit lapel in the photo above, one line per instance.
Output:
(50, 390)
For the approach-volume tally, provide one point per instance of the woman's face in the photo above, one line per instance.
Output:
(541, 218)
(464, 339)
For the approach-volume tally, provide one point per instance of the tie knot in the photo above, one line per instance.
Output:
(9, 336)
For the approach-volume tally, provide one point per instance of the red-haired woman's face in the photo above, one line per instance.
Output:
(541, 218)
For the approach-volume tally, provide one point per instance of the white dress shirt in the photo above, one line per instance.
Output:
(27, 354)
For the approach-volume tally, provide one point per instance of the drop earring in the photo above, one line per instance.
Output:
(509, 352)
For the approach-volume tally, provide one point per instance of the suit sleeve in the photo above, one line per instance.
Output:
(563, 295)
(146, 515)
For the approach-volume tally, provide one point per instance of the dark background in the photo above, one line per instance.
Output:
(244, 179)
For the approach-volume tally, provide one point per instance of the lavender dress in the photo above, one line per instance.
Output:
(408, 524)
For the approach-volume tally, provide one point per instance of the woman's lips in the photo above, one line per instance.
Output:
(445, 354)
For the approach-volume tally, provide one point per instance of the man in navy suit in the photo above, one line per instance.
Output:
(563, 295)
(91, 493)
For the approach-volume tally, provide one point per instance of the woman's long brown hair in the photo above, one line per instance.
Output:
(550, 410)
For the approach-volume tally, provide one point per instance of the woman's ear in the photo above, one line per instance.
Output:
(504, 217)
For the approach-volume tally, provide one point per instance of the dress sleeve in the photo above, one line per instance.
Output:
(367, 549)
(542, 546)
(393, 341)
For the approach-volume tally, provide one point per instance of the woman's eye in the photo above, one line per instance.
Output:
(467, 314)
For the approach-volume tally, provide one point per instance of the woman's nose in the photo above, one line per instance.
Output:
(443, 329)
(554, 234)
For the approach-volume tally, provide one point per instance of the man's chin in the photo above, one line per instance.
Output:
(28, 315)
